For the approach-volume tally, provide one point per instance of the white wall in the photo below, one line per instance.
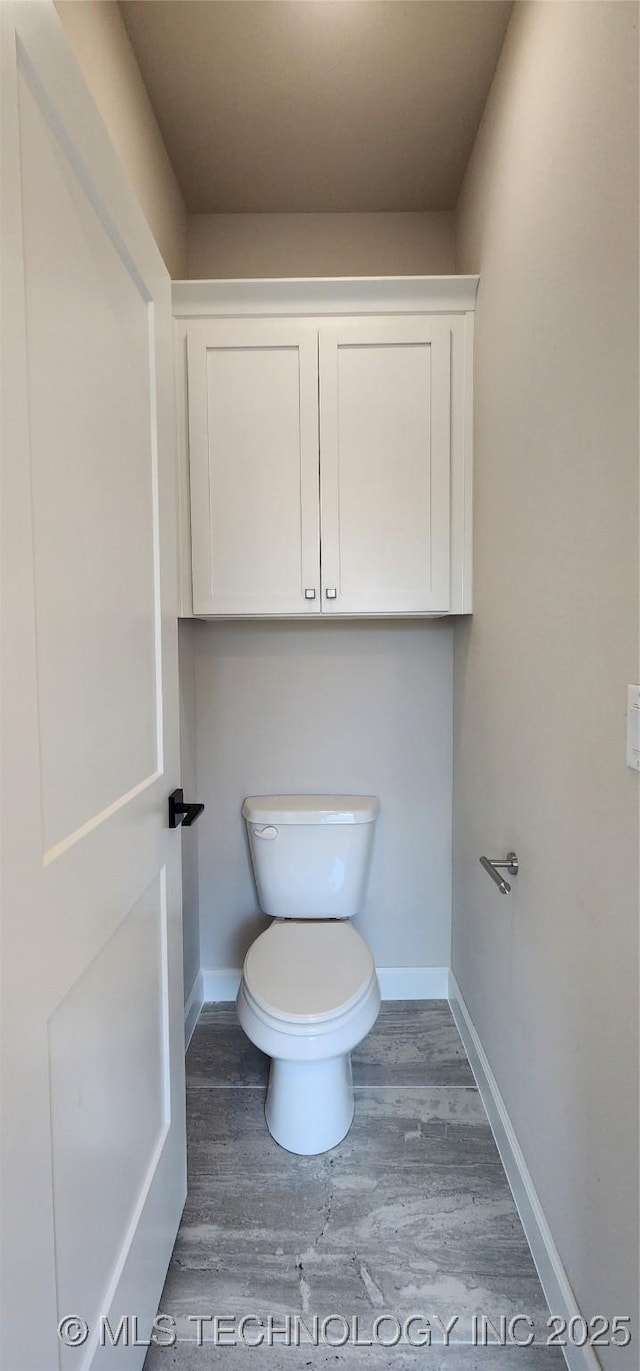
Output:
(255, 245)
(97, 35)
(286, 707)
(548, 216)
(351, 707)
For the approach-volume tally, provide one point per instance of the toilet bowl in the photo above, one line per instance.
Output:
(309, 995)
(309, 991)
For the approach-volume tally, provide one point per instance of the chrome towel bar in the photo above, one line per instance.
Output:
(492, 867)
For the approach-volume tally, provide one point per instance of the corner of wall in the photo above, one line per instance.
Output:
(98, 36)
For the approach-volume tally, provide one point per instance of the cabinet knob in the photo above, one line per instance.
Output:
(309, 594)
(331, 593)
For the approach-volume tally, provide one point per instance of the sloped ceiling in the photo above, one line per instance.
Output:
(312, 105)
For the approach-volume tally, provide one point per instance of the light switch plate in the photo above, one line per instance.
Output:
(633, 727)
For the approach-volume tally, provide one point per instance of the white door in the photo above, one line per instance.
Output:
(253, 445)
(92, 1036)
(385, 400)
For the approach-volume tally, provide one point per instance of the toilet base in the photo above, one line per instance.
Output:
(309, 1106)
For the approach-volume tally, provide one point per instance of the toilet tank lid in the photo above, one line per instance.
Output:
(310, 809)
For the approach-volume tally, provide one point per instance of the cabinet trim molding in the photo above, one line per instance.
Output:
(326, 295)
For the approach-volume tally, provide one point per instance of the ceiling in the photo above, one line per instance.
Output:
(317, 105)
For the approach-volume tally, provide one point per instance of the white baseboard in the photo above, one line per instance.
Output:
(396, 983)
(553, 1277)
(192, 1008)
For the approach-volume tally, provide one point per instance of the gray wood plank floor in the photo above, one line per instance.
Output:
(410, 1215)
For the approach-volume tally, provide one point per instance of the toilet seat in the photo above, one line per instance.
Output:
(307, 971)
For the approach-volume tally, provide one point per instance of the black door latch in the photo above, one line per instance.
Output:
(182, 813)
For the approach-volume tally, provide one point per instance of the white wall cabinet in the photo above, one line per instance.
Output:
(326, 456)
(253, 450)
(385, 465)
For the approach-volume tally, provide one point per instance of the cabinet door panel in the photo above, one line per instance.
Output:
(385, 474)
(253, 437)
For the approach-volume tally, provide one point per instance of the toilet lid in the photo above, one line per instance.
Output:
(308, 969)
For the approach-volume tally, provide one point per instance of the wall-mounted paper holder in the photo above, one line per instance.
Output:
(492, 866)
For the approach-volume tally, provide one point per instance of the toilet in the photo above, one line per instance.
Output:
(309, 991)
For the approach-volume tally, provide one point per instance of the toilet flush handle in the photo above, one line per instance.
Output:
(269, 833)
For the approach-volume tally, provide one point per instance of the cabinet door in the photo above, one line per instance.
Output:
(385, 473)
(253, 440)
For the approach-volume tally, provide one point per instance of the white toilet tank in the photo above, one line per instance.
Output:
(311, 853)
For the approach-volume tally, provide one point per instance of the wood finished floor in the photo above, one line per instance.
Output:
(410, 1214)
